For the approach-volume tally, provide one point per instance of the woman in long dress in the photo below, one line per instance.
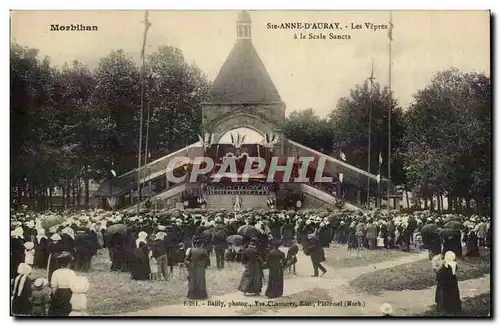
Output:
(196, 258)
(54, 249)
(16, 251)
(61, 286)
(251, 280)
(471, 240)
(21, 293)
(41, 249)
(276, 262)
(447, 293)
(140, 259)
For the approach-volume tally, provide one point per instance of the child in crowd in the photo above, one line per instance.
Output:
(40, 297)
(181, 256)
(291, 257)
(153, 265)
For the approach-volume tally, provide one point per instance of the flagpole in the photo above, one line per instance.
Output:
(368, 203)
(146, 27)
(146, 154)
(390, 112)
(379, 167)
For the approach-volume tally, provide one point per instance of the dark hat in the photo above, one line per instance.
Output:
(64, 258)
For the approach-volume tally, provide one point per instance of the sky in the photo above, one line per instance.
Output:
(307, 73)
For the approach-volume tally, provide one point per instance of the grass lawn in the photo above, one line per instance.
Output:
(113, 293)
(306, 296)
(478, 306)
(338, 256)
(419, 275)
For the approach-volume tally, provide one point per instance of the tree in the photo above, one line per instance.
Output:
(450, 120)
(309, 129)
(70, 125)
(350, 120)
(177, 90)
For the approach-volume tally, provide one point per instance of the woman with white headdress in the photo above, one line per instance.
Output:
(21, 293)
(140, 268)
(54, 249)
(41, 247)
(447, 293)
(16, 251)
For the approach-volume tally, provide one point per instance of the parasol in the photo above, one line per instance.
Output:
(427, 229)
(52, 220)
(235, 239)
(248, 231)
(117, 228)
(454, 225)
(449, 233)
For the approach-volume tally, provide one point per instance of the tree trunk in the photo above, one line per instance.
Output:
(438, 199)
(68, 195)
(78, 192)
(73, 202)
(50, 198)
(426, 203)
(407, 199)
(432, 204)
(87, 193)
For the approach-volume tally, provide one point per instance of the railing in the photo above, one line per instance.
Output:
(264, 192)
(331, 191)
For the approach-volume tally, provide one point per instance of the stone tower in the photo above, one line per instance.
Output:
(243, 94)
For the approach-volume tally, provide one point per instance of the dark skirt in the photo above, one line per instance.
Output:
(172, 256)
(21, 306)
(60, 304)
(275, 284)
(447, 296)
(197, 289)
(140, 269)
(251, 281)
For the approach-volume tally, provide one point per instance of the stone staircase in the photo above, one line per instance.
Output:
(316, 198)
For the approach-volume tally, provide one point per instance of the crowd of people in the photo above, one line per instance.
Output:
(153, 245)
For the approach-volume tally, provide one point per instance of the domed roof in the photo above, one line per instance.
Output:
(244, 17)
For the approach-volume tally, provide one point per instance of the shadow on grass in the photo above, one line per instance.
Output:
(311, 296)
(419, 275)
(478, 306)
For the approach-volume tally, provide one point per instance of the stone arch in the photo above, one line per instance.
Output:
(241, 120)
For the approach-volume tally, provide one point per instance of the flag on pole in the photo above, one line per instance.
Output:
(342, 156)
(389, 32)
(380, 158)
(147, 25)
(341, 177)
(378, 178)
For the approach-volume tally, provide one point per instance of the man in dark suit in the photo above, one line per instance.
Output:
(317, 254)
(220, 244)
